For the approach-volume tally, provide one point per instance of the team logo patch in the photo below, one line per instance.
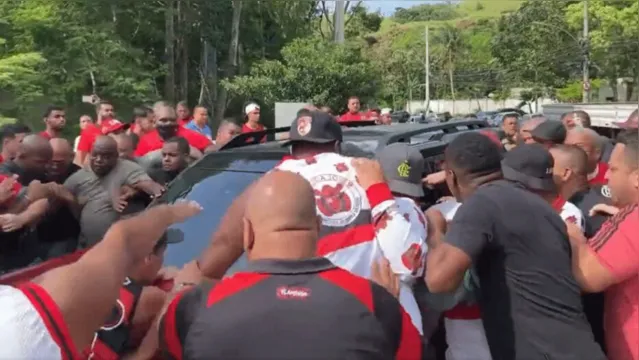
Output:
(605, 191)
(116, 318)
(304, 125)
(403, 170)
(337, 198)
(412, 258)
(292, 293)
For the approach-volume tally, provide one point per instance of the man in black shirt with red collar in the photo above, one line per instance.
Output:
(288, 304)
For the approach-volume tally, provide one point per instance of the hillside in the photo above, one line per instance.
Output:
(466, 11)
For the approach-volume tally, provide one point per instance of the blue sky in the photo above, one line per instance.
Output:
(388, 6)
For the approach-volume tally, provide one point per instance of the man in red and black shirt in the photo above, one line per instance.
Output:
(54, 120)
(252, 123)
(590, 142)
(288, 304)
(91, 132)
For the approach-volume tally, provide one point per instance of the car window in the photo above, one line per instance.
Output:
(215, 194)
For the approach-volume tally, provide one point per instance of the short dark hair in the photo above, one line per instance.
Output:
(183, 103)
(304, 112)
(183, 146)
(21, 129)
(577, 158)
(200, 106)
(508, 116)
(630, 139)
(473, 154)
(140, 111)
(50, 109)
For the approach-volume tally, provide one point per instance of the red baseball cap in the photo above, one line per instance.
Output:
(111, 126)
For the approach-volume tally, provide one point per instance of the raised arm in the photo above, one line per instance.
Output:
(85, 291)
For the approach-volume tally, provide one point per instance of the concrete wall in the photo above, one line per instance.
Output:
(467, 106)
(285, 112)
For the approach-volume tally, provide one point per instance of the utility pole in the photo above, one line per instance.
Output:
(338, 21)
(427, 73)
(586, 53)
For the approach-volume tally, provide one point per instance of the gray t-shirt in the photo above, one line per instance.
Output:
(98, 213)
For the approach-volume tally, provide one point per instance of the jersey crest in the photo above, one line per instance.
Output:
(338, 200)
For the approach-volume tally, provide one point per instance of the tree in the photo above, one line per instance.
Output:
(614, 38)
(311, 70)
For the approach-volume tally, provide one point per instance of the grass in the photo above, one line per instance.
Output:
(469, 10)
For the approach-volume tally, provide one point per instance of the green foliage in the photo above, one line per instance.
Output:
(311, 70)
(425, 12)
(572, 92)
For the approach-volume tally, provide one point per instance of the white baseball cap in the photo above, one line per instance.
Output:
(385, 111)
(250, 108)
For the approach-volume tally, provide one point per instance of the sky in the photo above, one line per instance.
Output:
(387, 7)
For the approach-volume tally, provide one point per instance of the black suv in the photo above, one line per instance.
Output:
(218, 178)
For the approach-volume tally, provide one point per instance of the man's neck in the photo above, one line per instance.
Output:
(201, 124)
(253, 124)
(52, 132)
(593, 170)
(477, 182)
(569, 190)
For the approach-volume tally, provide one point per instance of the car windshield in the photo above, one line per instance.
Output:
(215, 194)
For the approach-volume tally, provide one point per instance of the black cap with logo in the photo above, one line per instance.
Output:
(530, 165)
(550, 131)
(403, 168)
(314, 127)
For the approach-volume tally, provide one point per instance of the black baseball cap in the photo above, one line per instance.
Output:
(530, 165)
(403, 168)
(314, 127)
(550, 131)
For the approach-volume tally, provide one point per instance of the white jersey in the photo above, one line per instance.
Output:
(569, 212)
(31, 326)
(359, 227)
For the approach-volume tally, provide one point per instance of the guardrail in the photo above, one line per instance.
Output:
(601, 115)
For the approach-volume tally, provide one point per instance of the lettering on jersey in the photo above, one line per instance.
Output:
(605, 191)
(292, 293)
(338, 200)
(412, 258)
(116, 318)
(304, 125)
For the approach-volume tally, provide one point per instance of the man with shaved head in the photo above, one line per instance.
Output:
(592, 144)
(166, 127)
(32, 158)
(97, 187)
(225, 132)
(284, 283)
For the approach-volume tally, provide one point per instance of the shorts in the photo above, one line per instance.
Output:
(31, 325)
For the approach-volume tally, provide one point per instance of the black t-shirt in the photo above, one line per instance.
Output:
(530, 302)
(60, 225)
(585, 200)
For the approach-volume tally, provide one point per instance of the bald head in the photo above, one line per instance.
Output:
(35, 144)
(281, 220)
(61, 147)
(589, 141)
(125, 146)
(164, 110)
(105, 142)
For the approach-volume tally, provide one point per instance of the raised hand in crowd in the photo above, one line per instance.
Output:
(383, 275)
(369, 172)
(12, 222)
(100, 272)
(603, 209)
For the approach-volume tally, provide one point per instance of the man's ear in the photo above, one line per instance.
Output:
(634, 179)
(248, 236)
(567, 174)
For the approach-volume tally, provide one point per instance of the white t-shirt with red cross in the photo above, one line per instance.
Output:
(360, 226)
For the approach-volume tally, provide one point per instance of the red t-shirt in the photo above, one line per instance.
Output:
(152, 141)
(348, 116)
(616, 245)
(247, 129)
(91, 132)
(183, 122)
(45, 135)
(599, 176)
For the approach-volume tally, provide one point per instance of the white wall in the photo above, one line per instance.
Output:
(467, 106)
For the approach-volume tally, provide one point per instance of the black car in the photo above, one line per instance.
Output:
(218, 178)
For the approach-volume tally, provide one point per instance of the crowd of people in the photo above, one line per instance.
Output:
(533, 256)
